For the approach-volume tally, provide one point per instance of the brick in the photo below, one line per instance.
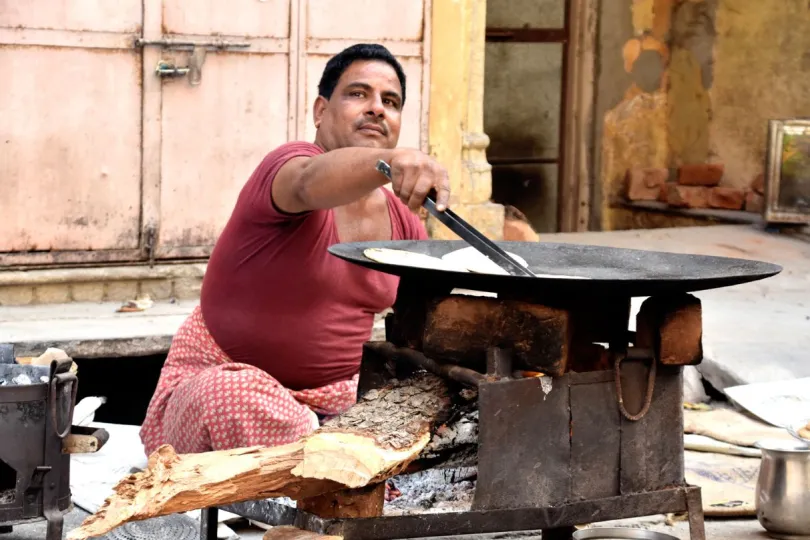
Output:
(644, 184)
(56, 293)
(726, 198)
(758, 185)
(87, 292)
(701, 174)
(687, 196)
(673, 327)
(460, 329)
(754, 202)
(16, 295)
(119, 291)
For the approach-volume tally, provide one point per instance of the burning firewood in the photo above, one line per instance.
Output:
(374, 440)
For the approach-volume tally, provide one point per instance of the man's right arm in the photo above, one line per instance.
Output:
(345, 175)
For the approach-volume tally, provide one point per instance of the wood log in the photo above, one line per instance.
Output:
(362, 502)
(289, 532)
(672, 326)
(461, 329)
(374, 440)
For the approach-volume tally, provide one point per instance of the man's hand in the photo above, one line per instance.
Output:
(414, 174)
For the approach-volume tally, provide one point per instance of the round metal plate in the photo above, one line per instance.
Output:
(609, 271)
(599, 533)
(171, 527)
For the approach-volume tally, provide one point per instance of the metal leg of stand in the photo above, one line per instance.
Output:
(694, 506)
(208, 523)
(54, 530)
(563, 533)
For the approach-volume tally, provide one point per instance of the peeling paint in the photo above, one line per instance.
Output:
(726, 67)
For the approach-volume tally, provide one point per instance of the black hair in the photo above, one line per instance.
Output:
(362, 51)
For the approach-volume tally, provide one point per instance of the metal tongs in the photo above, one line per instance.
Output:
(467, 232)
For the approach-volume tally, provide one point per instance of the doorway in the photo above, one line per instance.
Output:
(525, 105)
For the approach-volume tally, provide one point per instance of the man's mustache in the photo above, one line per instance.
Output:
(380, 125)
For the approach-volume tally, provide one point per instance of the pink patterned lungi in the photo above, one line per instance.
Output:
(205, 401)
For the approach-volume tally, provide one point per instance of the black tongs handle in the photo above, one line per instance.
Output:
(467, 232)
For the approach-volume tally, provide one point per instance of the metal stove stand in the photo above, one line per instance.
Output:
(603, 443)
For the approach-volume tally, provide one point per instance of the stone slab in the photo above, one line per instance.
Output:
(92, 330)
(95, 330)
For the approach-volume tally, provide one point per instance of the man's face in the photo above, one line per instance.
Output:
(365, 109)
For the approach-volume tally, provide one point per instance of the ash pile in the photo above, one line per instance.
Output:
(449, 484)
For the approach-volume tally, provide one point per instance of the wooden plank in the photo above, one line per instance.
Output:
(652, 447)
(663, 425)
(523, 445)
(632, 475)
(595, 440)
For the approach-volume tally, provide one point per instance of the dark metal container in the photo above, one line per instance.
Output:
(34, 418)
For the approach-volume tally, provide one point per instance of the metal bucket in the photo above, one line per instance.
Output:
(34, 418)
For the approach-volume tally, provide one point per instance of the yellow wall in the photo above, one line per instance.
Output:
(693, 81)
(455, 129)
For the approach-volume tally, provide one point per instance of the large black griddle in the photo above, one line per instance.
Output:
(611, 271)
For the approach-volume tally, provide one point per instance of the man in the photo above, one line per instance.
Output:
(277, 338)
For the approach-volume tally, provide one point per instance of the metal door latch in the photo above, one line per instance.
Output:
(193, 69)
(196, 60)
(169, 70)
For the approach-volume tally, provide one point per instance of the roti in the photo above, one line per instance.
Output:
(401, 257)
(466, 259)
(476, 262)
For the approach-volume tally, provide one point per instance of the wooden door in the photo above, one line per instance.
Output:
(214, 133)
(70, 134)
(524, 105)
(329, 26)
(129, 130)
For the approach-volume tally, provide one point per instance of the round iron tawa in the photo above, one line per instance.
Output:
(171, 527)
(607, 270)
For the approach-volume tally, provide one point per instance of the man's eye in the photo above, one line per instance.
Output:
(356, 94)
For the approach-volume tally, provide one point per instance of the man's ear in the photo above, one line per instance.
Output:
(318, 110)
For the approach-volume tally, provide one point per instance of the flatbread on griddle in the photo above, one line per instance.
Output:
(476, 262)
(401, 257)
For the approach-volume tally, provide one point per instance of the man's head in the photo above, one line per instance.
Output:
(360, 99)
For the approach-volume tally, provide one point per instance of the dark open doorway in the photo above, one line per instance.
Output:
(525, 104)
